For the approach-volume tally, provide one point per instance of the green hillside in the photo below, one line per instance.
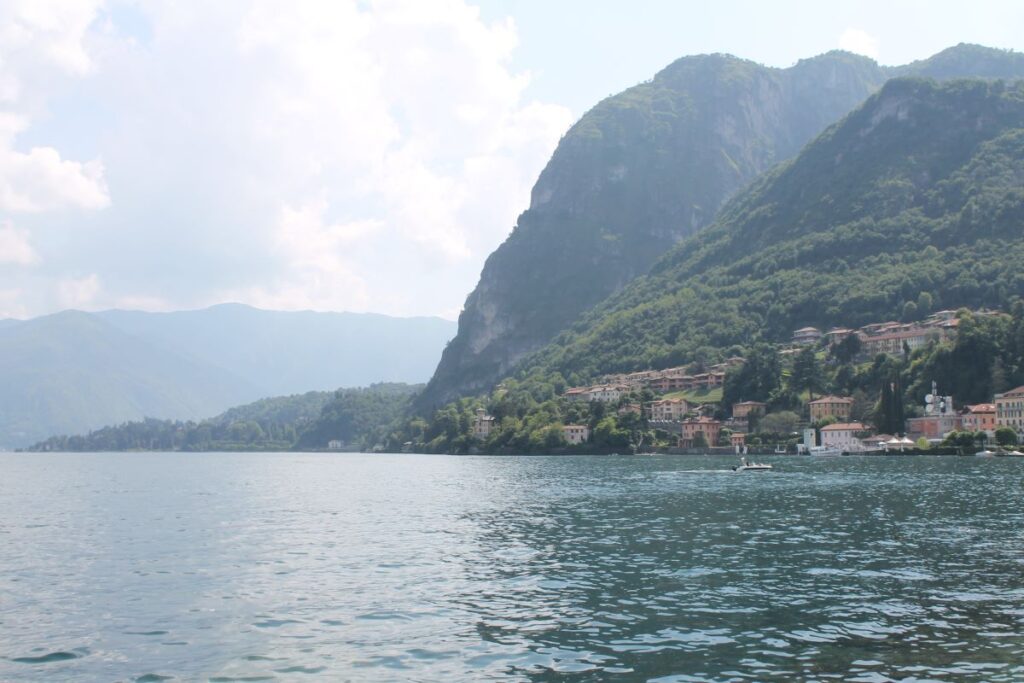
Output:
(357, 417)
(915, 197)
(72, 372)
(912, 203)
(644, 170)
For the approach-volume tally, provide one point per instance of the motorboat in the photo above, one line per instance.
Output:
(824, 450)
(747, 466)
(985, 454)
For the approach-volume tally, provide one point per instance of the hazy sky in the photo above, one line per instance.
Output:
(340, 155)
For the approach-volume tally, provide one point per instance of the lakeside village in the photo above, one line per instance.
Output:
(686, 412)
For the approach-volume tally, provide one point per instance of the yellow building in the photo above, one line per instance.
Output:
(838, 407)
(1010, 409)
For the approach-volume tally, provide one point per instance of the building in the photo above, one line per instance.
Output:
(610, 393)
(627, 408)
(876, 442)
(979, 418)
(845, 436)
(576, 434)
(669, 409)
(706, 426)
(807, 335)
(933, 427)
(606, 393)
(738, 439)
(837, 334)
(748, 409)
(334, 445)
(838, 407)
(1010, 409)
(482, 424)
(895, 342)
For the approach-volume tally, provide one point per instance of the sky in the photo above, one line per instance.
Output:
(341, 154)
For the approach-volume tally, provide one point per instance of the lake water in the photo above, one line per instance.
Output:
(225, 567)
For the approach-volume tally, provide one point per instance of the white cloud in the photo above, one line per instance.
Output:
(15, 247)
(41, 181)
(42, 45)
(317, 274)
(331, 155)
(860, 42)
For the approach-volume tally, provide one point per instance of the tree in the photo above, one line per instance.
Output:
(806, 372)
(999, 381)
(1006, 437)
(924, 303)
(699, 441)
(757, 379)
(847, 349)
(782, 422)
(909, 312)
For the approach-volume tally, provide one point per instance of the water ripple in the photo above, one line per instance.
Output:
(375, 568)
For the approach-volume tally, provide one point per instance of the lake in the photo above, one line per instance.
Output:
(245, 567)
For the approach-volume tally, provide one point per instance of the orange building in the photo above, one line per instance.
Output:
(838, 407)
(748, 409)
(980, 418)
(707, 426)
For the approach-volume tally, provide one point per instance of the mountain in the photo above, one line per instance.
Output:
(267, 424)
(72, 372)
(288, 352)
(359, 418)
(915, 201)
(642, 171)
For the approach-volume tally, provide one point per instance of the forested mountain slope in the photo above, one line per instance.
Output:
(915, 200)
(640, 172)
(73, 371)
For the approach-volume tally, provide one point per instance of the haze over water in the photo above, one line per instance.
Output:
(406, 567)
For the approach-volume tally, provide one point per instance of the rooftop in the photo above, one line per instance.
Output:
(831, 399)
(844, 426)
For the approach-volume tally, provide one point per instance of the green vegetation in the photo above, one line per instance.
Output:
(698, 395)
(268, 424)
(653, 165)
(71, 372)
(914, 198)
(359, 418)
(900, 199)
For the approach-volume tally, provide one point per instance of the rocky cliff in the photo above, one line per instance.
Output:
(640, 172)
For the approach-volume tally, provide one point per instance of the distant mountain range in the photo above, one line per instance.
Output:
(644, 170)
(72, 371)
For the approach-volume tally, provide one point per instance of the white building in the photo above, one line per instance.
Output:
(843, 435)
(576, 434)
(334, 445)
(669, 410)
(607, 394)
(807, 335)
